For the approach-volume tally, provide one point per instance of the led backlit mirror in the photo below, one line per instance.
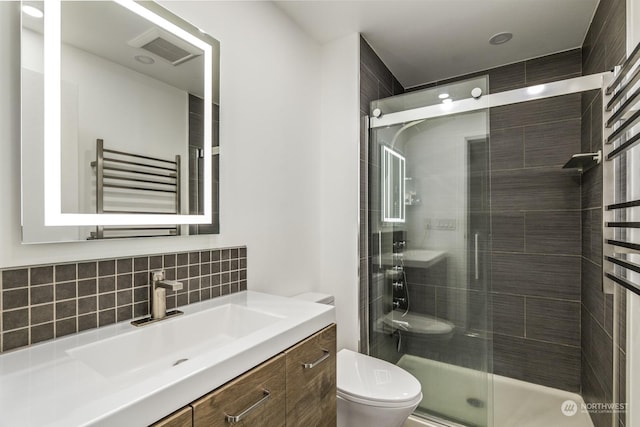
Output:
(393, 182)
(119, 122)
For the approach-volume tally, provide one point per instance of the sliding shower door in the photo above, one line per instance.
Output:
(429, 233)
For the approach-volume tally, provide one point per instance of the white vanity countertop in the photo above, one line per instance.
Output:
(49, 385)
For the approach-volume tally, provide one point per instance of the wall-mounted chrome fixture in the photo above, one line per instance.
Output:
(158, 286)
(621, 245)
(584, 161)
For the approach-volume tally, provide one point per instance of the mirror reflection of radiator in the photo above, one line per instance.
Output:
(128, 183)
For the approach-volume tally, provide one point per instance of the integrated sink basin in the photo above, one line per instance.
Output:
(417, 258)
(171, 342)
(122, 375)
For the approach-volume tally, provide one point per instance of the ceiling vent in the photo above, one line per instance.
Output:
(166, 46)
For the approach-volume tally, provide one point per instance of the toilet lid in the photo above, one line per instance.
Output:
(366, 379)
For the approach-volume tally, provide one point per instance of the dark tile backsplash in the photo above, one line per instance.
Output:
(48, 301)
(536, 227)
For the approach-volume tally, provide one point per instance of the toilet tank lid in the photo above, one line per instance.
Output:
(316, 297)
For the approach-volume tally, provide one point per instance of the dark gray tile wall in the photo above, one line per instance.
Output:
(49, 301)
(559, 66)
(536, 233)
(376, 82)
(603, 48)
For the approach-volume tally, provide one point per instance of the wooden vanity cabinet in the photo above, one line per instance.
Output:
(295, 388)
(256, 398)
(181, 418)
(311, 380)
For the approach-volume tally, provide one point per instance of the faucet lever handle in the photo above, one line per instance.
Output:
(172, 285)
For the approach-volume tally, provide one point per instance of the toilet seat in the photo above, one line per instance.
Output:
(374, 382)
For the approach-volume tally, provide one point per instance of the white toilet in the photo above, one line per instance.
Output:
(371, 392)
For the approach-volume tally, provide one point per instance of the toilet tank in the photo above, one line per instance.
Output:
(320, 298)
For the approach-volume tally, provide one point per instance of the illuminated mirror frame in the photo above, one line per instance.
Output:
(388, 155)
(53, 215)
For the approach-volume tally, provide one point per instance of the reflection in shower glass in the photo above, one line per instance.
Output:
(393, 175)
(429, 271)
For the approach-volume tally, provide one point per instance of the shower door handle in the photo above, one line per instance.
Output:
(477, 267)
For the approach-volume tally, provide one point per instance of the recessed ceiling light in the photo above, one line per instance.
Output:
(447, 101)
(32, 11)
(500, 38)
(443, 95)
(144, 59)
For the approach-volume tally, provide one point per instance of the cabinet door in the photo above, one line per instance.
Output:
(180, 418)
(256, 398)
(311, 380)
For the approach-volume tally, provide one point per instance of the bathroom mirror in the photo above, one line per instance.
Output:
(119, 122)
(393, 182)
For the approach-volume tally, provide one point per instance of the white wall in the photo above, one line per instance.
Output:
(340, 182)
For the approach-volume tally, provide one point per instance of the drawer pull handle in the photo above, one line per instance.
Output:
(232, 419)
(324, 357)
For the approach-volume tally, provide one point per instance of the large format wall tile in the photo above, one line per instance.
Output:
(530, 113)
(552, 365)
(537, 275)
(551, 144)
(535, 189)
(555, 232)
(553, 321)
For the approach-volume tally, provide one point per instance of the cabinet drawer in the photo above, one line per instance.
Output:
(257, 398)
(180, 418)
(311, 380)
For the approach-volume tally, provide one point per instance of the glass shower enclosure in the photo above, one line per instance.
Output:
(429, 225)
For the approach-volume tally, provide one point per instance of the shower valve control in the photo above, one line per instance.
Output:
(397, 268)
(398, 286)
(398, 302)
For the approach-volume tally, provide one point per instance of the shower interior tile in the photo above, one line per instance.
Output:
(535, 189)
(549, 364)
(508, 314)
(554, 67)
(592, 295)
(554, 321)
(551, 144)
(537, 275)
(507, 232)
(554, 232)
(507, 148)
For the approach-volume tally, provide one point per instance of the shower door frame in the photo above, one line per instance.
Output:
(515, 96)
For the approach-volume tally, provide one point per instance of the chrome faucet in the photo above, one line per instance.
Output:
(158, 286)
